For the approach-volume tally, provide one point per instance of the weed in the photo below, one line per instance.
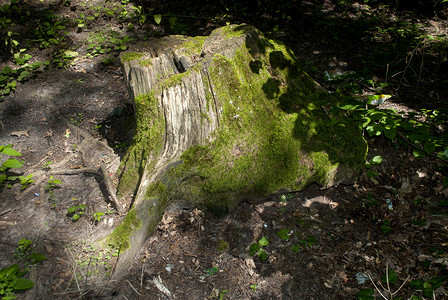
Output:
(46, 165)
(222, 246)
(50, 187)
(257, 249)
(96, 216)
(254, 287)
(23, 250)
(76, 211)
(78, 120)
(25, 181)
(10, 163)
(11, 280)
(304, 243)
(385, 226)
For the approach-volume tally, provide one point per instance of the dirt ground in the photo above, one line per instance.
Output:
(319, 241)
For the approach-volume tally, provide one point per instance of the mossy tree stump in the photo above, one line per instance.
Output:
(222, 119)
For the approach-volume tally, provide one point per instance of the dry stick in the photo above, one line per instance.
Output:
(409, 276)
(376, 287)
(133, 288)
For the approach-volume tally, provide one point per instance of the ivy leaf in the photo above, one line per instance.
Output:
(392, 277)
(390, 133)
(295, 248)
(263, 242)
(262, 255)
(377, 159)
(429, 147)
(158, 18)
(284, 234)
(365, 294)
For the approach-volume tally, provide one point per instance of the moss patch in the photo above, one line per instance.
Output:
(147, 142)
(120, 237)
(130, 56)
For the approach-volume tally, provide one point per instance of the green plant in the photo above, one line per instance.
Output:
(96, 216)
(284, 234)
(10, 163)
(76, 211)
(304, 243)
(78, 120)
(50, 187)
(254, 287)
(257, 249)
(385, 226)
(23, 250)
(211, 271)
(389, 278)
(46, 165)
(222, 246)
(11, 280)
(26, 181)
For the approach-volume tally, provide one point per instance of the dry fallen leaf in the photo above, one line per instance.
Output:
(67, 133)
(19, 133)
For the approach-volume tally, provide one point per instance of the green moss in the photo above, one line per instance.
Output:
(273, 134)
(193, 45)
(147, 142)
(156, 189)
(119, 238)
(130, 56)
(145, 62)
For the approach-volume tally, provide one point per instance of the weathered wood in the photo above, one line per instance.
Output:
(221, 119)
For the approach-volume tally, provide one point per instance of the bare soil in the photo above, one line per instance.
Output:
(334, 234)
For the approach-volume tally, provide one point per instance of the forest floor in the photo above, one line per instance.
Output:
(320, 244)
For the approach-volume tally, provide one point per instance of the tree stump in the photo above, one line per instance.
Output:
(222, 119)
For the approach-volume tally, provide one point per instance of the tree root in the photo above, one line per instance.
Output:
(92, 167)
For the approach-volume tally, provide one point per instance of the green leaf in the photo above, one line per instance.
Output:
(390, 133)
(428, 292)
(76, 217)
(284, 234)
(295, 248)
(70, 54)
(158, 19)
(262, 255)
(23, 284)
(392, 277)
(263, 242)
(429, 147)
(377, 159)
(365, 294)
(11, 152)
(72, 209)
(418, 154)
(56, 181)
(12, 163)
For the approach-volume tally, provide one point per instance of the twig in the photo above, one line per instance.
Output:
(376, 287)
(409, 276)
(141, 277)
(133, 288)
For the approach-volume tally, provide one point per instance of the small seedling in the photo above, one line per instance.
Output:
(76, 211)
(46, 165)
(304, 243)
(96, 217)
(254, 287)
(26, 181)
(52, 184)
(222, 246)
(23, 250)
(284, 234)
(211, 271)
(257, 249)
(385, 227)
(78, 120)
